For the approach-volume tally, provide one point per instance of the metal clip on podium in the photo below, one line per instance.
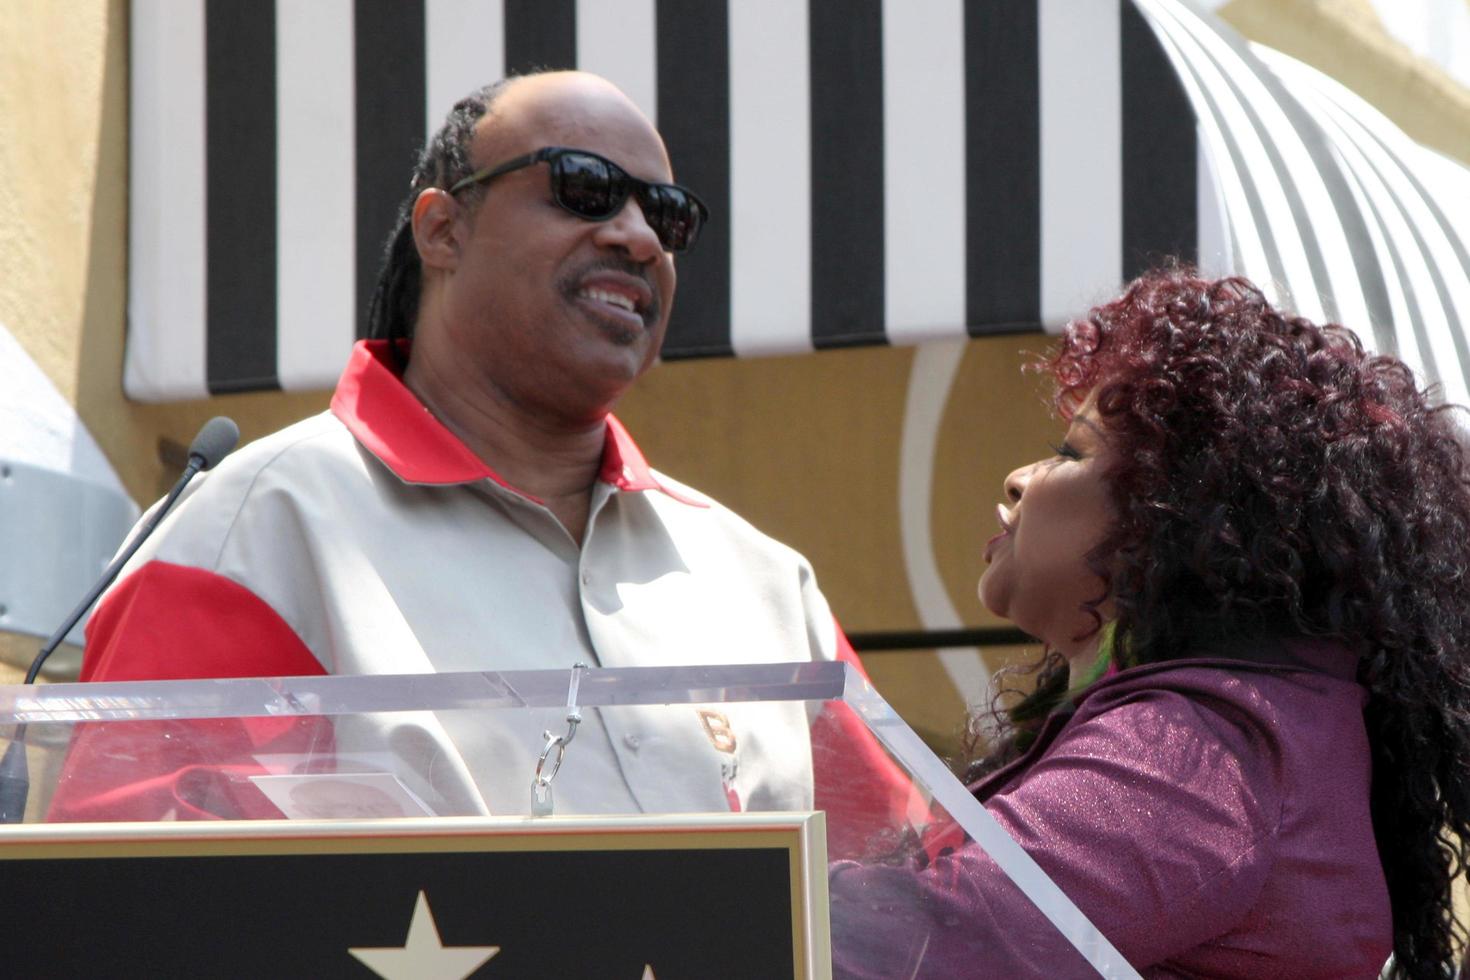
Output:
(542, 804)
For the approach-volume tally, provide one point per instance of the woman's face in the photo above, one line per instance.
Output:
(1057, 510)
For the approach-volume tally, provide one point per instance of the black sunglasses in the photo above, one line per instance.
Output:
(595, 188)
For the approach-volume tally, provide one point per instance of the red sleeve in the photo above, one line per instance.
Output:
(170, 622)
(865, 793)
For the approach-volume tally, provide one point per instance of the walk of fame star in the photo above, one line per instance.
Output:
(423, 956)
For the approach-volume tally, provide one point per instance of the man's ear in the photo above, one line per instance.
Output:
(436, 228)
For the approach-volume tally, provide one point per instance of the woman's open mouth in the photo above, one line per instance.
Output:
(1003, 517)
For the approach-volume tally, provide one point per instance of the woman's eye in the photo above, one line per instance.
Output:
(1065, 451)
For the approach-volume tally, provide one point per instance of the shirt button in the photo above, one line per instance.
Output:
(631, 741)
(586, 578)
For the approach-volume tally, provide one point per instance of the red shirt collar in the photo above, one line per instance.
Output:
(393, 425)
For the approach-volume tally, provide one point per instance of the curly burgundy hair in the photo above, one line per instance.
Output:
(1271, 478)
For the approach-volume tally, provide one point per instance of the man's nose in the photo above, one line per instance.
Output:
(630, 231)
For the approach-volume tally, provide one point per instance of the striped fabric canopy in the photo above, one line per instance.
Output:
(1327, 204)
(1408, 234)
(880, 171)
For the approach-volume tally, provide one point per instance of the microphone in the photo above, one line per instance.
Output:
(213, 443)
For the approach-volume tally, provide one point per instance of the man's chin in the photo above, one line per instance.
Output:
(616, 366)
(639, 345)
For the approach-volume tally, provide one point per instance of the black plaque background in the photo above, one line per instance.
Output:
(689, 913)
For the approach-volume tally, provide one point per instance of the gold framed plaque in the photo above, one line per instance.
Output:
(646, 898)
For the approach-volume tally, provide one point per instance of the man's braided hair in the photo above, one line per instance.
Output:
(444, 160)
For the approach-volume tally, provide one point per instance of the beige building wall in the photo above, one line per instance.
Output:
(828, 485)
(1345, 39)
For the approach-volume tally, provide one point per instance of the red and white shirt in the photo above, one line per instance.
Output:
(369, 539)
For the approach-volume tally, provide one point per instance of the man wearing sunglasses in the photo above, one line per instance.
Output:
(470, 502)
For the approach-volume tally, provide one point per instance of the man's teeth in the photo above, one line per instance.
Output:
(614, 299)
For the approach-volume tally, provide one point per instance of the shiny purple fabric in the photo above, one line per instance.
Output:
(1210, 817)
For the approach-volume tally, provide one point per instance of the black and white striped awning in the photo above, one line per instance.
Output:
(881, 171)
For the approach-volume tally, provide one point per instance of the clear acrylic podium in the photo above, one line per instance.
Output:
(580, 762)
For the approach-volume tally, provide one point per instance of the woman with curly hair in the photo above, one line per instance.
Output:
(1246, 754)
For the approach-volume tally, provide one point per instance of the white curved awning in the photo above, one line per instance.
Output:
(884, 173)
(1415, 208)
(1328, 205)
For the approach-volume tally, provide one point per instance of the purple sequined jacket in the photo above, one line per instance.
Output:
(1209, 816)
